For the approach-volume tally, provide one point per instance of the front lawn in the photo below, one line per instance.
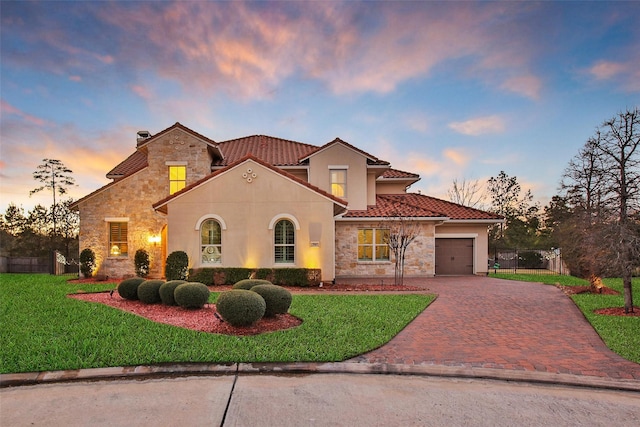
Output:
(41, 329)
(620, 333)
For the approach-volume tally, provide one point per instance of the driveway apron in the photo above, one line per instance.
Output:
(501, 324)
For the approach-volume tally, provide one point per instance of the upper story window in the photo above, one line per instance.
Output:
(284, 242)
(338, 182)
(211, 242)
(118, 245)
(177, 178)
(372, 244)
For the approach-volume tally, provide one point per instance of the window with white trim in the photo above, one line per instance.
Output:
(284, 237)
(211, 242)
(118, 246)
(338, 182)
(372, 244)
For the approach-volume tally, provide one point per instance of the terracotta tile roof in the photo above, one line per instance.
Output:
(182, 127)
(395, 174)
(158, 205)
(131, 164)
(414, 205)
(370, 159)
(275, 151)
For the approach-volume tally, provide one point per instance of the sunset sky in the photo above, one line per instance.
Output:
(443, 89)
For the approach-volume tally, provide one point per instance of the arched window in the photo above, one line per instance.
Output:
(211, 242)
(284, 242)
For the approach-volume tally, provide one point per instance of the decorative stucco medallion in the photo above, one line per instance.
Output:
(177, 142)
(249, 175)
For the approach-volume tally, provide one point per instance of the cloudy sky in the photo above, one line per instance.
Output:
(449, 90)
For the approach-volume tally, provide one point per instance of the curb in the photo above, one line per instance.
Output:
(202, 369)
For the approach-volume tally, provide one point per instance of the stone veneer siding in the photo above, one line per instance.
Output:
(419, 257)
(132, 198)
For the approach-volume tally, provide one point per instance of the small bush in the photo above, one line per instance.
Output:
(176, 266)
(240, 307)
(149, 291)
(247, 284)
(191, 295)
(291, 277)
(141, 261)
(87, 262)
(202, 275)
(128, 288)
(277, 298)
(167, 290)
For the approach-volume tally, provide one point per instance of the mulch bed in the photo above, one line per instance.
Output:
(205, 320)
(610, 311)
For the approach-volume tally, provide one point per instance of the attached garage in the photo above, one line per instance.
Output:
(454, 256)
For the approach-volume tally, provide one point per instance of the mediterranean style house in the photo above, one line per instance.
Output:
(261, 201)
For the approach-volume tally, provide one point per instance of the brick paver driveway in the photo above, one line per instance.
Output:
(493, 323)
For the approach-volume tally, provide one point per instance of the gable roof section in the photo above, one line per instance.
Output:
(414, 205)
(138, 159)
(131, 164)
(161, 205)
(275, 151)
(372, 160)
(182, 127)
(398, 174)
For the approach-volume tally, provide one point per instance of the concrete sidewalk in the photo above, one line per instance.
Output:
(313, 399)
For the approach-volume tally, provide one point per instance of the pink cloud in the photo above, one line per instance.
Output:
(526, 85)
(250, 49)
(9, 109)
(603, 70)
(479, 126)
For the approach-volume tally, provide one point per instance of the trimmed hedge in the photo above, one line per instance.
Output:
(302, 277)
(149, 291)
(191, 295)
(277, 298)
(247, 284)
(128, 288)
(167, 290)
(240, 307)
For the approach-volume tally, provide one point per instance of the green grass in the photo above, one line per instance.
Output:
(41, 329)
(621, 334)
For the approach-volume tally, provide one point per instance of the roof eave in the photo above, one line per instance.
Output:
(389, 218)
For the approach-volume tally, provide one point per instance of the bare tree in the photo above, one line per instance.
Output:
(467, 193)
(603, 184)
(54, 176)
(401, 231)
(619, 146)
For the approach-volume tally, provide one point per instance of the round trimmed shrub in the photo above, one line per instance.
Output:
(149, 291)
(167, 289)
(277, 298)
(191, 295)
(128, 288)
(247, 284)
(240, 307)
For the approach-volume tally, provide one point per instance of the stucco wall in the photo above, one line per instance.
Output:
(478, 233)
(132, 198)
(419, 258)
(339, 155)
(247, 208)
